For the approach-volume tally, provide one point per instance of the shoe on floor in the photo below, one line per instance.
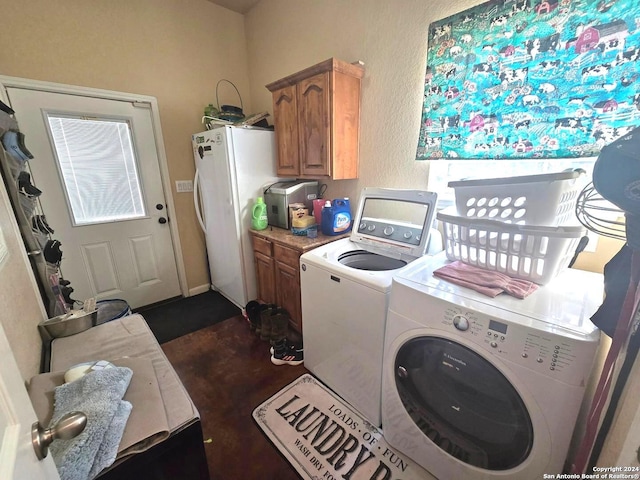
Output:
(290, 346)
(284, 355)
(279, 325)
(265, 321)
(251, 313)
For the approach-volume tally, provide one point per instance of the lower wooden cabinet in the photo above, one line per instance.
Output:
(277, 261)
(265, 278)
(288, 292)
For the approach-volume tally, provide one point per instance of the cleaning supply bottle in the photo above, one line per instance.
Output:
(336, 217)
(259, 219)
(341, 215)
(347, 204)
(326, 226)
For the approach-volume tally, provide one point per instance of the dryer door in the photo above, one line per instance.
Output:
(463, 403)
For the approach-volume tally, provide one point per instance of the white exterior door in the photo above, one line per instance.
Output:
(17, 457)
(122, 251)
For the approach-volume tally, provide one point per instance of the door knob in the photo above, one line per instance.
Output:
(159, 206)
(69, 426)
(162, 220)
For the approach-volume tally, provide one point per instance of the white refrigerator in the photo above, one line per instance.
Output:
(233, 167)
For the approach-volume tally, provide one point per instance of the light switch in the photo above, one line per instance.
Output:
(183, 186)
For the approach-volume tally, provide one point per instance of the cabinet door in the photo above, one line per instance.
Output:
(288, 280)
(314, 127)
(265, 278)
(285, 117)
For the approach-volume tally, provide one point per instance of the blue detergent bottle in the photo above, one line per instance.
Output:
(336, 217)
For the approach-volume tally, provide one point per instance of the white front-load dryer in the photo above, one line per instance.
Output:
(345, 289)
(485, 388)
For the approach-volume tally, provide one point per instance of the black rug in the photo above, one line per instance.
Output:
(176, 318)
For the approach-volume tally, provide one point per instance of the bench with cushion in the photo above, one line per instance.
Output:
(163, 436)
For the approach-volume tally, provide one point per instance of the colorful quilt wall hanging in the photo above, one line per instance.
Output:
(531, 79)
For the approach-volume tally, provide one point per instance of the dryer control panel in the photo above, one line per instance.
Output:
(552, 354)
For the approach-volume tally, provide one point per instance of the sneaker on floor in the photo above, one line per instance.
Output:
(284, 355)
(290, 345)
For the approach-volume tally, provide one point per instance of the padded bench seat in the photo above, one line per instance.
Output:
(128, 336)
(131, 337)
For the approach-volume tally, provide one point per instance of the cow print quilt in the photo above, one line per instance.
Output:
(531, 79)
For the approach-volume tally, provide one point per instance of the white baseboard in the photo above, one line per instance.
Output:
(199, 289)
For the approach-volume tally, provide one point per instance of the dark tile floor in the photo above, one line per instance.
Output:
(228, 372)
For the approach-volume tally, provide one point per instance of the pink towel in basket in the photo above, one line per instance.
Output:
(485, 281)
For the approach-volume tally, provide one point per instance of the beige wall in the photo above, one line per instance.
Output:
(390, 37)
(174, 50)
(177, 50)
(20, 302)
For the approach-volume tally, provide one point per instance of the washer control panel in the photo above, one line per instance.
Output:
(404, 233)
(564, 358)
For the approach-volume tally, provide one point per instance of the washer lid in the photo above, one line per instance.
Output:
(394, 222)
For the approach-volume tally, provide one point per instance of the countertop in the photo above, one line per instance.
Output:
(301, 243)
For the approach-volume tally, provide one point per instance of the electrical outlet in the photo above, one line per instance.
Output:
(183, 186)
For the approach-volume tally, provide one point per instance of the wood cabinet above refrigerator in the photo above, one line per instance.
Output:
(317, 121)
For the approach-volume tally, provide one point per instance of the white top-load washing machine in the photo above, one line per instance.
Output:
(345, 288)
(484, 388)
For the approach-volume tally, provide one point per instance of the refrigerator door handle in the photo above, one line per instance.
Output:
(196, 201)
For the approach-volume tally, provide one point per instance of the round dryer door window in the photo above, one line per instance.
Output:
(463, 403)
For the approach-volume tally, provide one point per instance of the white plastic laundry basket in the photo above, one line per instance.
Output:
(546, 199)
(534, 253)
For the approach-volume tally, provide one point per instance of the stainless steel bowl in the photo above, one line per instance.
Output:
(69, 323)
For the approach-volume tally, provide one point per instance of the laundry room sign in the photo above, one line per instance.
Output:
(324, 439)
(531, 79)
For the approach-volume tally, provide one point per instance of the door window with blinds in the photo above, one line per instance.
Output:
(97, 162)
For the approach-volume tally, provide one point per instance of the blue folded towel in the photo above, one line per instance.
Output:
(99, 395)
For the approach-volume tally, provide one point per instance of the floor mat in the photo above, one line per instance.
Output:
(186, 315)
(323, 438)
